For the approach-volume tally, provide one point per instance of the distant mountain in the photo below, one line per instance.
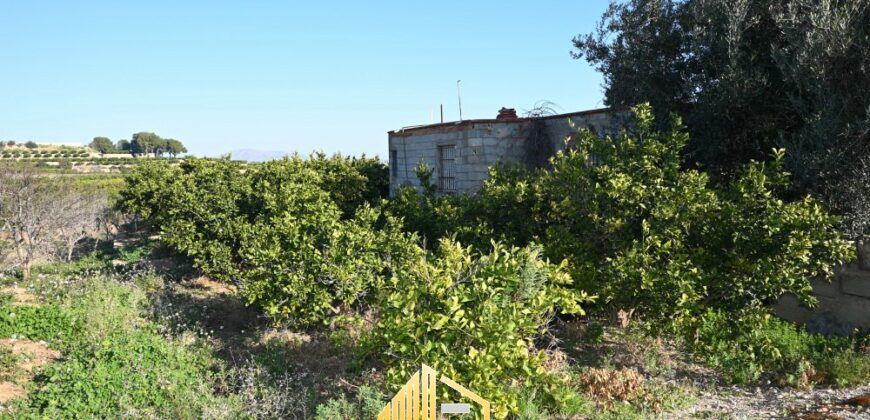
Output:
(252, 155)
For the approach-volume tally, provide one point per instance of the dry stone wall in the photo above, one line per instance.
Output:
(843, 304)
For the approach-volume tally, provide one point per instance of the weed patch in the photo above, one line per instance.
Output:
(38, 323)
(129, 370)
(745, 347)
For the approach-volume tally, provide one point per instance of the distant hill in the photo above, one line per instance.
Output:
(252, 155)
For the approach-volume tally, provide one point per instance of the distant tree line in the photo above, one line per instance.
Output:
(142, 143)
(10, 143)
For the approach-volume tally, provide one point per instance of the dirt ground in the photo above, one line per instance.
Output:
(28, 355)
(660, 361)
(20, 295)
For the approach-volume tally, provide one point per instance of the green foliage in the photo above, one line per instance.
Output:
(114, 363)
(103, 307)
(713, 63)
(473, 319)
(644, 232)
(103, 145)
(502, 211)
(130, 373)
(144, 142)
(594, 333)
(46, 323)
(747, 344)
(660, 238)
(298, 235)
(173, 147)
(350, 182)
(369, 402)
(303, 260)
(31, 145)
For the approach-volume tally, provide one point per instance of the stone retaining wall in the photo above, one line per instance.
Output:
(844, 303)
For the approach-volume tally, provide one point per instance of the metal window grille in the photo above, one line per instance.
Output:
(447, 169)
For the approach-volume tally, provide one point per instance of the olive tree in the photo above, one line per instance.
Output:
(748, 76)
(102, 144)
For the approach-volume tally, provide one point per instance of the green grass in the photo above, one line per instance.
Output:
(128, 373)
(115, 363)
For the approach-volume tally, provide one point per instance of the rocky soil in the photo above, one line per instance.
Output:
(778, 403)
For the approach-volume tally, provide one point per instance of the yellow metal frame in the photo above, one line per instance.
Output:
(416, 400)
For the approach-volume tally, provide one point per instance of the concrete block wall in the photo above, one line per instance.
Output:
(843, 304)
(479, 145)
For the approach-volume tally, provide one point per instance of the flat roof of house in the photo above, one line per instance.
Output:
(454, 125)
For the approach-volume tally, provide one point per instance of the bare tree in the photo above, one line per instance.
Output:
(44, 216)
(26, 212)
(109, 222)
(78, 217)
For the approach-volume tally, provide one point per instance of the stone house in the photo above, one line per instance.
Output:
(461, 152)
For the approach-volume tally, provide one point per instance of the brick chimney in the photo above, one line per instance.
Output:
(507, 114)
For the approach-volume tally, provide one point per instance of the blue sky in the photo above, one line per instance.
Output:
(281, 75)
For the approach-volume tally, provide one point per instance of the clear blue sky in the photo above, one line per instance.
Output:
(281, 75)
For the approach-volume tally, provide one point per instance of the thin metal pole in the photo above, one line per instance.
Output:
(442, 113)
(459, 96)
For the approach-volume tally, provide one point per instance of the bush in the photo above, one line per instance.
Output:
(473, 319)
(350, 182)
(654, 236)
(296, 234)
(748, 344)
(644, 232)
(303, 262)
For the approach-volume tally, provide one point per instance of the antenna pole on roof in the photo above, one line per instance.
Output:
(442, 113)
(459, 96)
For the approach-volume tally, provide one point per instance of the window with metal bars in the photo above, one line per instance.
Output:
(447, 168)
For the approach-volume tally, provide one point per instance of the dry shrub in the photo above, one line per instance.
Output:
(609, 385)
(556, 361)
(806, 376)
(623, 317)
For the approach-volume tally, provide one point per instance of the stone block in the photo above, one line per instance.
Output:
(857, 283)
(788, 307)
(489, 142)
(862, 249)
(822, 287)
(848, 311)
